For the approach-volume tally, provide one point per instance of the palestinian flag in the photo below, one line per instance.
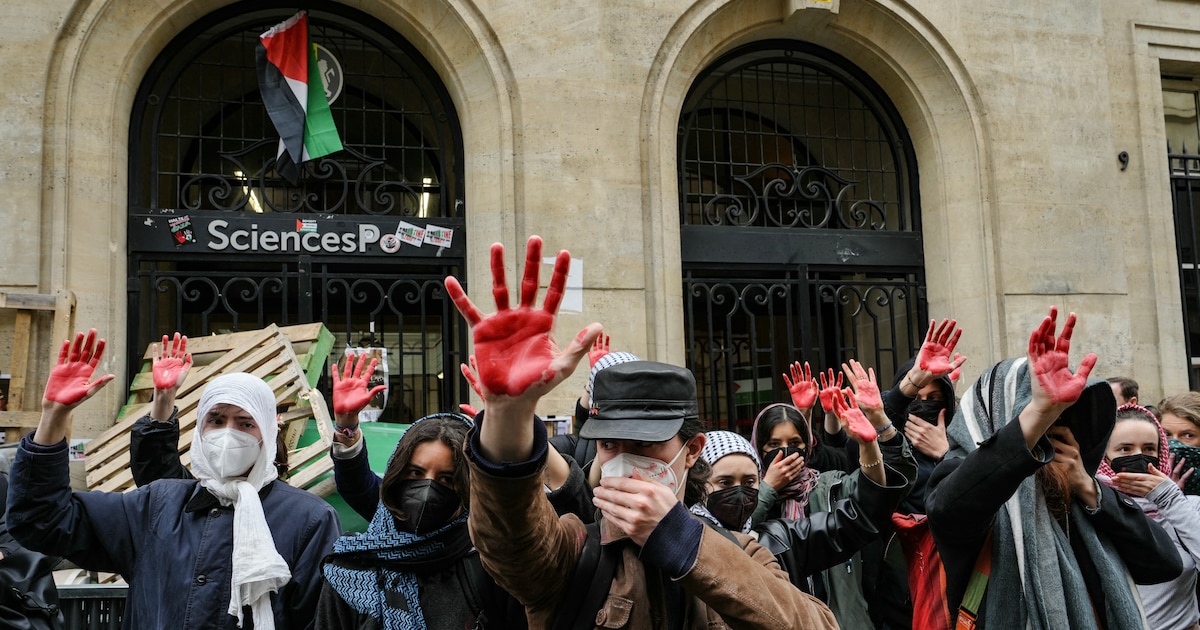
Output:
(292, 90)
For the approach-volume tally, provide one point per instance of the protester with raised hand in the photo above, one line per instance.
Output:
(674, 568)
(356, 483)
(1016, 492)
(846, 512)
(804, 547)
(232, 547)
(415, 566)
(154, 442)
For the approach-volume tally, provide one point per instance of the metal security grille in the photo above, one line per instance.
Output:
(407, 307)
(1185, 192)
(800, 230)
(202, 147)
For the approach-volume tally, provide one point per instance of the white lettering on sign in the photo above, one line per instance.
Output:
(221, 238)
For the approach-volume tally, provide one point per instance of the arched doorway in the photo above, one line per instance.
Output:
(219, 242)
(799, 224)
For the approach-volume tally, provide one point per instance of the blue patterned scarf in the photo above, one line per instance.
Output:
(375, 571)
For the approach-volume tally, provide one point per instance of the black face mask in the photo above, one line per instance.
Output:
(1133, 463)
(426, 504)
(733, 506)
(769, 456)
(926, 410)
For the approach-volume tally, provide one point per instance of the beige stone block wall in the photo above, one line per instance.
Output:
(569, 114)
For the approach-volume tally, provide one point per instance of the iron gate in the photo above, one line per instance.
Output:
(361, 241)
(403, 309)
(800, 225)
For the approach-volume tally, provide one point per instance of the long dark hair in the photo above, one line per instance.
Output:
(776, 415)
(449, 429)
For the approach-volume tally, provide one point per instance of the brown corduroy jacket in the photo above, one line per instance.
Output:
(532, 553)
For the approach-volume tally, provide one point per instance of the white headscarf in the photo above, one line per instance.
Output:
(258, 569)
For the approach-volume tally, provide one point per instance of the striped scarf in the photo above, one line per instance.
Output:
(374, 571)
(1036, 582)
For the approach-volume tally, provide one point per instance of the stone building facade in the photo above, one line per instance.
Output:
(977, 160)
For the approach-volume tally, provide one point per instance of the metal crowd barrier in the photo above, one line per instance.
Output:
(92, 606)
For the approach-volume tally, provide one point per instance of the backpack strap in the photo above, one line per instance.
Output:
(589, 585)
(968, 611)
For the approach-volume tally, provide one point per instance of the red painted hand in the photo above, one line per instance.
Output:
(69, 383)
(829, 389)
(802, 386)
(468, 409)
(1048, 362)
(469, 372)
(852, 419)
(865, 387)
(173, 362)
(515, 348)
(350, 393)
(937, 355)
(599, 349)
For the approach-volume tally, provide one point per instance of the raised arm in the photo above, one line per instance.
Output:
(517, 359)
(92, 529)
(352, 473)
(154, 438)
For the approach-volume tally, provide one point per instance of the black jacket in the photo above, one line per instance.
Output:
(966, 494)
(861, 510)
(28, 597)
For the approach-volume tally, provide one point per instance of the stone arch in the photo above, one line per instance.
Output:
(928, 84)
(103, 51)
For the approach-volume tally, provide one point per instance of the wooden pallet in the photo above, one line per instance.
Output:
(24, 403)
(271, 354)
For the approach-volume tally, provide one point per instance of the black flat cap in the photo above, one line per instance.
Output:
(640, 400)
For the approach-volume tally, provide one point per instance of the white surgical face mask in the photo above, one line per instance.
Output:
(624, 464)
(230, 452)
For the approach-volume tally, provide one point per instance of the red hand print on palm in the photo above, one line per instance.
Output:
(1048, 360)
(937, 353)
(69, 382)
(802, 386)
(853, 418)
(514, 348)
(865, 387)
(350, 393)
(172, 362)
(829, 389)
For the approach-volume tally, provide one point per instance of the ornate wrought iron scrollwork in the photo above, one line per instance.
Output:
(350, 182)
(782, 195)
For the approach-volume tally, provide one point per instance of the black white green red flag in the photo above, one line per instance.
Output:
(290, 82)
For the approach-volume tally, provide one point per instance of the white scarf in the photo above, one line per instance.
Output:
(258, 569)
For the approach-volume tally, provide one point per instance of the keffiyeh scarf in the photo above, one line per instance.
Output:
(365, 568)
(794, 496)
